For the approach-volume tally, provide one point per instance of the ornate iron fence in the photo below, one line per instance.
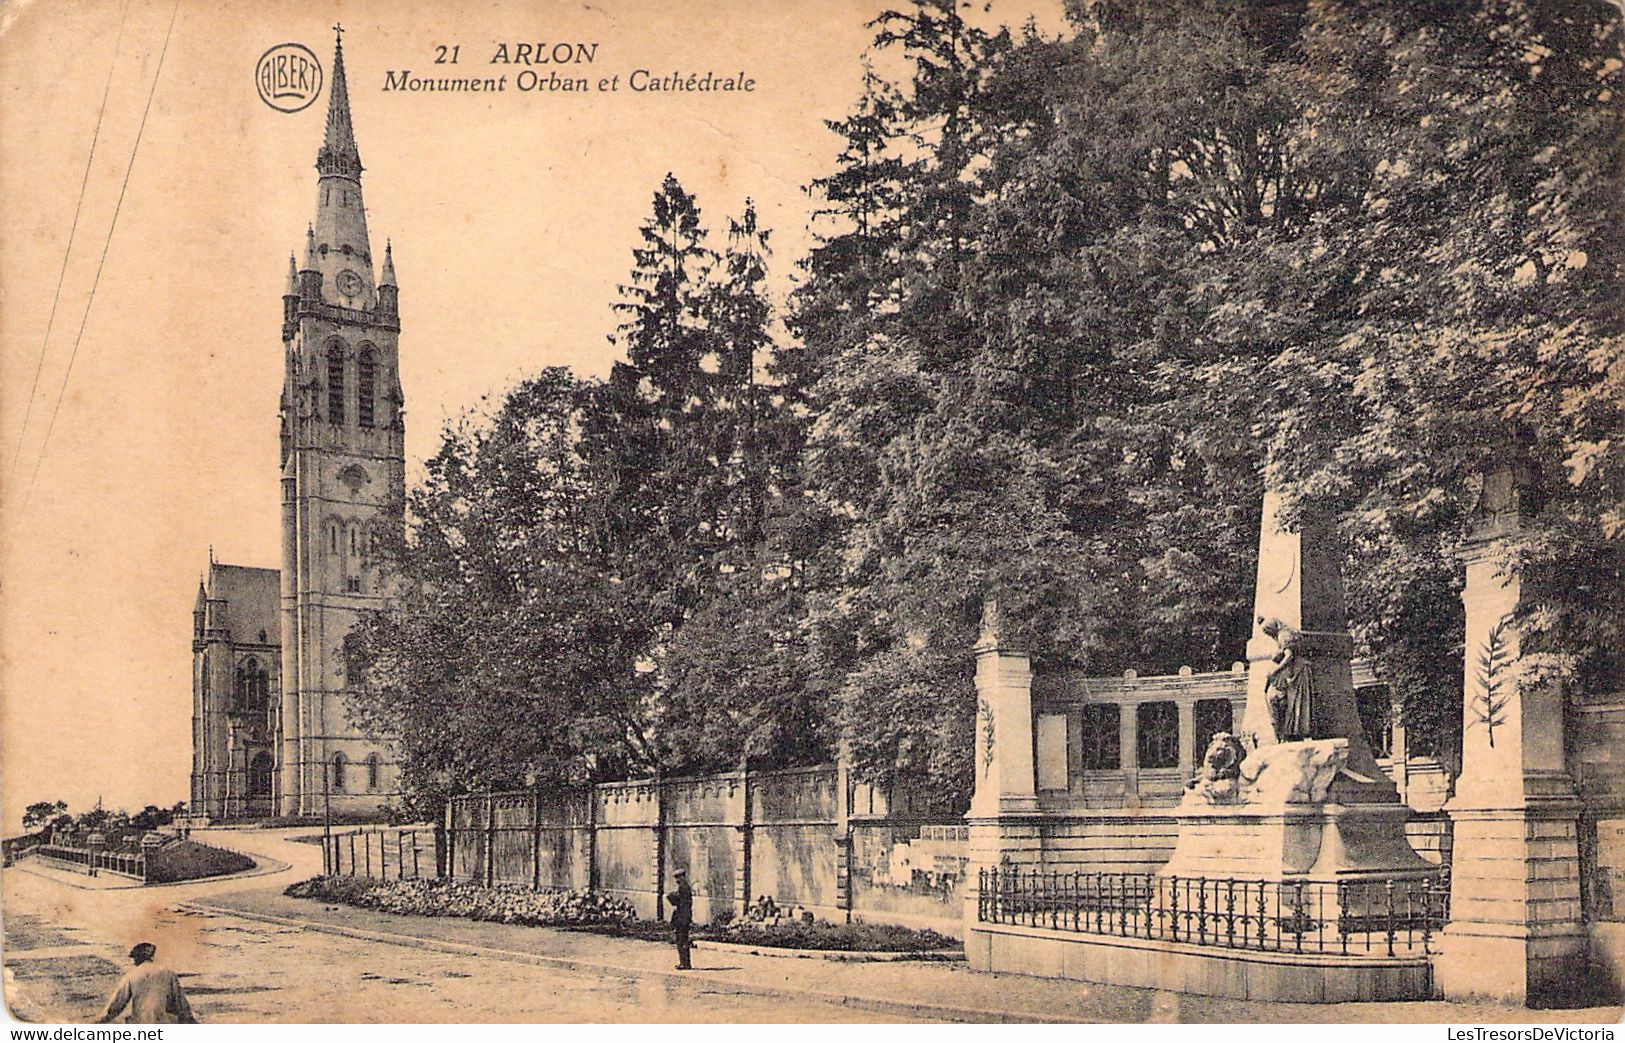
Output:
(1390, 917)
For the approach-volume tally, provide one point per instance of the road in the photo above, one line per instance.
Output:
(65, 946)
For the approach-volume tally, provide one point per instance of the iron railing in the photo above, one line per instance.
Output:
(1388, 917)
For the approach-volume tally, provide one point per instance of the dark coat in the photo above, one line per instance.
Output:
(682, 904)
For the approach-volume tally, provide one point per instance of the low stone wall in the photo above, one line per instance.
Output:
(784, 835)
(909, 873)
(1106, 841)
(1195, 970)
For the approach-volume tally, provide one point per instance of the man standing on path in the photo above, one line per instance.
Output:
(682, 916)
(152, 993)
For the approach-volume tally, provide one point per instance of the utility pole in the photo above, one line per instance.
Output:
(327, 825)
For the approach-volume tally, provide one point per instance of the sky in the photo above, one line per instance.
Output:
(512, 216)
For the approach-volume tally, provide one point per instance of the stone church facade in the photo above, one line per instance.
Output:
(269, 708)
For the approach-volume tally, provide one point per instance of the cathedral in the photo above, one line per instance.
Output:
(271, 729)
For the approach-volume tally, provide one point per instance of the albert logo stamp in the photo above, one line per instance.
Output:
(288, 77)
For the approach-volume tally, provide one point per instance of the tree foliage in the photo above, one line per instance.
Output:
(1361, 251)
(1072, 303)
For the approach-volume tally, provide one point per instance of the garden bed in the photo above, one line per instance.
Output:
(502, 903)
(189, 860)
(600, 914)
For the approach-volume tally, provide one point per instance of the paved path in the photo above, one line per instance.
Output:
(65, 945)
(256, 955)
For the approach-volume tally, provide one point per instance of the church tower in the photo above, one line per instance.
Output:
(343, 479)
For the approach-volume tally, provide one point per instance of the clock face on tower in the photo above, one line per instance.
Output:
(349, 283)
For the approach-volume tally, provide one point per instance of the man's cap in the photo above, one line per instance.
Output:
(146, 949)
(682, 872)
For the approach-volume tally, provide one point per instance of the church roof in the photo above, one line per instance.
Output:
(253, 599)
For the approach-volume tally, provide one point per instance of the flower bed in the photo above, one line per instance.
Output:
(601, 914)
(851, 937)
(502, 903)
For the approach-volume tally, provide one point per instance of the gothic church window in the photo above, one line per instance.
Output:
(252, 690)
(1158, 727)
(335, 384)
(366, 372)
(340, 764)
(352, 561)
(372, 771)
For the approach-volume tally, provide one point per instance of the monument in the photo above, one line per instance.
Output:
(1295, 793)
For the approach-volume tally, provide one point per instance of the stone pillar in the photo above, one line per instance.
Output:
(1128, 751)
(1399, 752)
(1005, 780)
(1189, 755)
(743, 837)
(1515, 931)
(843, 833)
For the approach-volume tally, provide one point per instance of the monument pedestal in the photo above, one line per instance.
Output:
(1318, 842)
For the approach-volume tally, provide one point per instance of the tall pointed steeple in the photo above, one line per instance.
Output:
(343, 253)
(339, 154)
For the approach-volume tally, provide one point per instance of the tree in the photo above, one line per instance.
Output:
(96, 818)
(1029, 420)
(734, 677)
(151, 817)
(663, 399)
(42, 813)
(512, 653)
(1492, 133)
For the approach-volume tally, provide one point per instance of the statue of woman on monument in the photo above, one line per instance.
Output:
(1290, 687)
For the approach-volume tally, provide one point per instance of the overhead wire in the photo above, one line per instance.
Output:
(73, 229)
(118, 207)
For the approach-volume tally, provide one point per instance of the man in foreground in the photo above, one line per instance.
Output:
(152, 993)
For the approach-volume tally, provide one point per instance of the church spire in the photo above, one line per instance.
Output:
(387, 278)
(343, 256)
(339, 154)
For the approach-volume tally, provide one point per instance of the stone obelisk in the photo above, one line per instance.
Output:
(1317, 806)
(1300, 583)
